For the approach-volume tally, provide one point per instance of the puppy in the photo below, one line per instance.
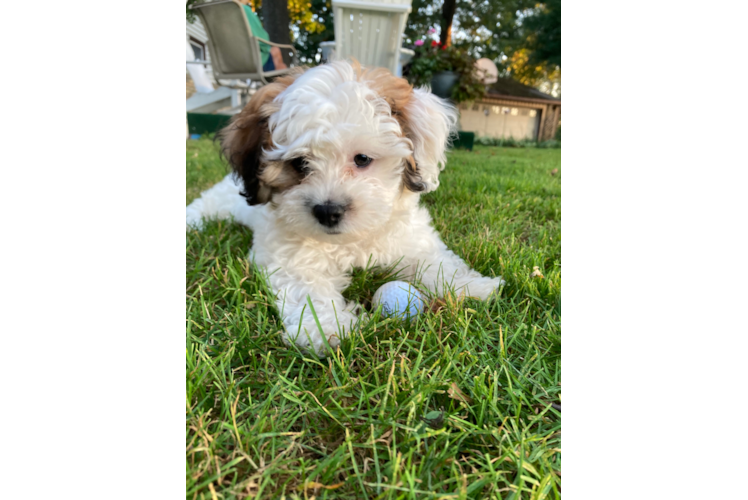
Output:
(329, 165)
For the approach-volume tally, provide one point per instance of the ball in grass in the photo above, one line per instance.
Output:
(399, 299)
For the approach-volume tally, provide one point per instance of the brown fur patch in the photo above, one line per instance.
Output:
(279, 176)
(398, 93)
(411, 177)
(243, 139)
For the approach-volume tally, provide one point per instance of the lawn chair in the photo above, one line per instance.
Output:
(371, 31)
(235, 52)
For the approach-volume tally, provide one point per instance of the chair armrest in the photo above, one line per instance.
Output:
(294, 59)
(279, 45)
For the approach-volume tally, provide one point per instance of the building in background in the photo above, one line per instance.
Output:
(510, 109)
(198, 41)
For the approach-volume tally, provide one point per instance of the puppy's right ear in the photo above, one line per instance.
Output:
(243, 140)
(429, 123)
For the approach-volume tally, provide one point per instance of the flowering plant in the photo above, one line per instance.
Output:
(432, 57)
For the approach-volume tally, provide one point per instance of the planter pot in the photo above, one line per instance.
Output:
(443, 82)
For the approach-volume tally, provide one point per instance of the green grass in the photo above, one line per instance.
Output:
(267, 421)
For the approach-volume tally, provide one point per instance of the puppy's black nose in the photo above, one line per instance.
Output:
(328, 214)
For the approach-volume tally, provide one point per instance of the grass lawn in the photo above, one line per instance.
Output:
(266, 421)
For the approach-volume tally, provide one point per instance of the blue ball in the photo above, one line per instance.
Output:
(398, 299)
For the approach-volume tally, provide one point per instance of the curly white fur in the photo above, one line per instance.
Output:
(328, 116)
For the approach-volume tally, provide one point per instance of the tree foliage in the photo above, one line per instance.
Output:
(310, 24)
(191, 16)
(543, 32)
(490, 28)
(424, 14)
(435, 57)
(306, 16)
(537, 59)
(544, 76)
(523, 37)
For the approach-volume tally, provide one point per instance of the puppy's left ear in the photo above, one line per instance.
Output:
(430, 122)
(243, 140)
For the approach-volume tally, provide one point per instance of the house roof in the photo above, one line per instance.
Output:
(507, 87)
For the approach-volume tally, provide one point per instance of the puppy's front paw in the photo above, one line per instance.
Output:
(334, 328)
(483, 287)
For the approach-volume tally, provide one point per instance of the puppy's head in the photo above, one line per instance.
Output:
(337, 149)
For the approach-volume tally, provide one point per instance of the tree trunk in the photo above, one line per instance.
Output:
(277, 23)
(448, 13)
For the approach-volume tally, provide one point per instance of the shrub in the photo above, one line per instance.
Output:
(511, 142)
(432, 58)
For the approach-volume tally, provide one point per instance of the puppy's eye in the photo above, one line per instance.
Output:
(300, 165)
(362, 161)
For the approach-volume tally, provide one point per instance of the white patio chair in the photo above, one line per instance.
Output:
(206, 99)
(328, 54)
(235, 51)
(371, 31)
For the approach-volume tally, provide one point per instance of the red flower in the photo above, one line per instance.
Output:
(434, 43)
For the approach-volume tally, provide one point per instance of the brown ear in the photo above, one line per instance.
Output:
(429, 122)
(412, 176)
(243, 140)
(424, 119)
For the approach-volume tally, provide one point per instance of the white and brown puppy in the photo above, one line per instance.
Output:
(329, 166)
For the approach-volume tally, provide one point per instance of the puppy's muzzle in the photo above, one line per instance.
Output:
(329, 214)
